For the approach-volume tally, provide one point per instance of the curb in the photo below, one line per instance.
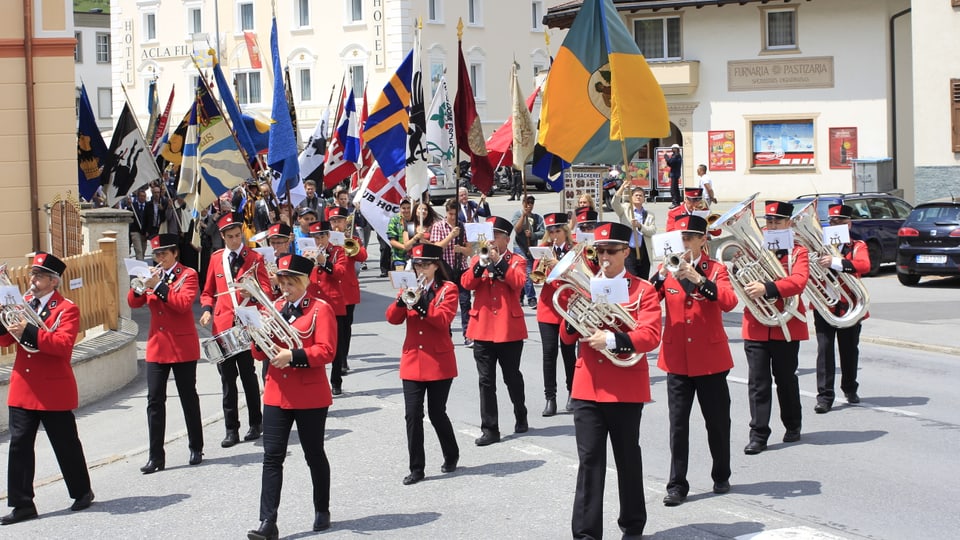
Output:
(890, 342)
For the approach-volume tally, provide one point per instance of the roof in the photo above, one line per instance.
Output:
(562, 15)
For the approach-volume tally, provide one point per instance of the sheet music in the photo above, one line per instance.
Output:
(778, 239)
(137, 268)
(836, 235)
(249, 316)
(541, 252)
(609, 290)
(668, 243)
(474, 230)
(402, 279)
(269, 255)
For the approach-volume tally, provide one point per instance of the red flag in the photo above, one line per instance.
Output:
(469, 129)
(157, 135)
(337, 169)
(253, 50)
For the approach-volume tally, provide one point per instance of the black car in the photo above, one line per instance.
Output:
(876, 219)
(929, 241)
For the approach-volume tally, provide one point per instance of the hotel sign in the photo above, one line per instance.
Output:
(780, 74)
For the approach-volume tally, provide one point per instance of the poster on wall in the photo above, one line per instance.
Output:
(722, 150)
(579, 180)
(663, 172)
(638, 173)
(843, 147)
(783, 144)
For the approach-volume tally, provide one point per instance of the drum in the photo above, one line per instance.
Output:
(230, 342)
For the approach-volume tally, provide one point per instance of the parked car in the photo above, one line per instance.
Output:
(441, 186)
(876, 219)
(532, 180)
(929, 241)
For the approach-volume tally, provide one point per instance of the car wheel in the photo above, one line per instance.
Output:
(873, 248)
(908, 279)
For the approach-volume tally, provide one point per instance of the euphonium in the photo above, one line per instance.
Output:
(712, 218)
(273, 327)
(411, 295)
(585, 316)
(826, 289)
(12, 311)
(754, 262)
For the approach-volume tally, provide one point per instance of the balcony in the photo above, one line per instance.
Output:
(677, 78)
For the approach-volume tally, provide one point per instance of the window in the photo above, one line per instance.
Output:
(537, 11)
(434, 11)
(194, 21)
(476, 80)
(780, 29)
(357, 80)
(955, 112)
(658, 39)
(302, 15)
(103, 48)
(783, 144)
(248, 87)
(104, 102)
(245, 16)
(77, 51)
(354, 10)
(150, 26)
(474, 13)
(306, 91)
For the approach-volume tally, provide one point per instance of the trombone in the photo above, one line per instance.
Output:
(350, 244)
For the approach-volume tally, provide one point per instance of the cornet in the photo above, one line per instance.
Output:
(139, 285)
(539, 273)
(483, 249)
(411, 295)
(12, 311)
(673, 261)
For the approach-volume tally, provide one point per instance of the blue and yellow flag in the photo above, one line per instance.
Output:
(282, 154)
(91, 150)
(600, 91)
(385, 132)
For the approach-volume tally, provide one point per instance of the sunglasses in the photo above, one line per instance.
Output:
(608, 250)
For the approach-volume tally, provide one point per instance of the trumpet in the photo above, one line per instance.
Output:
(139, 285)
(483, 249)
(411, 295)
(674, 260)
(539, 273)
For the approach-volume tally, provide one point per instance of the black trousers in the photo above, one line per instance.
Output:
(676, 197)
(185, 375)
(436, 393)
(848, 341)
(487, 354)
(61, 428)
(778, 358)
(464, 296)
(594, 422)
(713, 395)
(348, 333)
(550, 337)
(386, 255)
(638, 267)
(240, 365)
(340, 355)
(311, 424)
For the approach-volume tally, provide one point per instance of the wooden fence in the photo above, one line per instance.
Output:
(95, 277)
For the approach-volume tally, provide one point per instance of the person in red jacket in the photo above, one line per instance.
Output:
(854, 259)
(297, 391)
(43, 390)
(227, 265)
(337, 215)
(172, 345)
(497, 328)
(696, 356)
(327, 283)
(771, 356)
(692, 202)
(549, 321)
(608, 399)
(428, 363)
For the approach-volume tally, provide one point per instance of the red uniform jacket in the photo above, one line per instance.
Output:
(217, 277)
(428, 353)
(304, 387)
(496, 314)
(678, 211)
(327, 281)
(856, 261)
(173, 333)
(350, 282)
(595, 378)
(797, 266)
(546, 312)
(43, 380)
(694, 341)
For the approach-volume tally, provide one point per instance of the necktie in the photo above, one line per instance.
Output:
(35, 304)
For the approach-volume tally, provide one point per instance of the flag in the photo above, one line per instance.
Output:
(469, 129)
(549, 167)
(187, 183)
(600, 91)
(441, 133)
(500, 142)
(233, 111)
(253, 50)
(172, 149)
(153, 112)
(130, 163)
(258, 128)
(348, 131)
(91, 150)
(288, 93)
(221, 164)
(415, 180)
(522, 130)
(159, 132)
(312, 157)
(282, 156)
(366, 156)
(336, 169)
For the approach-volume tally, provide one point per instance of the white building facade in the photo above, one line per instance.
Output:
(93, 58)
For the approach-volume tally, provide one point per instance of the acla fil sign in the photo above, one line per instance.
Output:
(165, 52)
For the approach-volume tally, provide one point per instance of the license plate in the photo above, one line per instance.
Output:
(931, 259)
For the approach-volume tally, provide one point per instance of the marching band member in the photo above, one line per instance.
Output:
(350, 285)
(497, 328)
(172, 345)
(767, 350)
(43, 390)
(692, 199)
(327, 284)
(428, 363)
(297, 391)
(219, 306)
(634, 215)
(450, 234)
(855, 259)
(608, 399)
(548, 320)
(278, 237)
(696, 356)
(586, 220)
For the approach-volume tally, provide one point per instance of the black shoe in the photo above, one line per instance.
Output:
(336, 390)
(82, 503)
(253, 433)
(532, 302)
(521, 426)
(345, 370)
(383, 274)
(822, 408)
(674, 498)
(569, 406)
(266, 531)
(21, 513)
(852, 397)
(487, 439)
(322, 521)
(232, 438)
(449, 465)
(754, 448)
(550, 408)
(152, 466)
(413, 478)
(721, 487)
(196, 457)
(792, 435)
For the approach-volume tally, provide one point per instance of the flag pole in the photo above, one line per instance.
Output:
(457, 166)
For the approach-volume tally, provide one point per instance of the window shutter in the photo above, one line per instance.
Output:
(955, 112)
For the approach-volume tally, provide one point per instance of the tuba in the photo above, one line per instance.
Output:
(11, 310)
(586, 317)
(273, 327)
(827, 289)
(754, 262)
